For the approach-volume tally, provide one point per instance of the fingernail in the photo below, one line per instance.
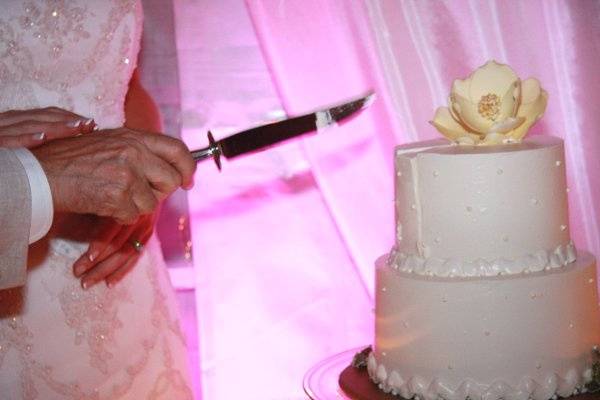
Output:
(74, 124)
(40, 136)
(88, 121)
(85, 285)
(92, 256)
(95, 128)
(189, 186)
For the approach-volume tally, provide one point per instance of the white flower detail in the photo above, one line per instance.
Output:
(491, 106)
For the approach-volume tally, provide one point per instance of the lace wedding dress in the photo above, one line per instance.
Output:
(58, 341)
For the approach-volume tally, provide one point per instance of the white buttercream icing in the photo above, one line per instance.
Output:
(558, 257)
(549, 384)
(515, 336)
(486, 203)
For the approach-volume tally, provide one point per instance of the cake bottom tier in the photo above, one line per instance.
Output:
(510, 337)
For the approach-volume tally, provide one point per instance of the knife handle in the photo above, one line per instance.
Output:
(212, 151)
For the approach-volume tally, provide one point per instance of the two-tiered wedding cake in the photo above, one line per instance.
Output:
(484, 295)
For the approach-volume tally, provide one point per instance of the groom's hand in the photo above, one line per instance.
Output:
(116, 173)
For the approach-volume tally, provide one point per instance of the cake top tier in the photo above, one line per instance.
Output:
(481, 210)
(491, 106)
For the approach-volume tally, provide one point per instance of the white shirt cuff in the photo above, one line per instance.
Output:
(42, 210)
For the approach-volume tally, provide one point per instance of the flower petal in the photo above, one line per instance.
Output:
(530, 90)
(492, 78)
(518, 97)
(461, 87)
(493, 138)
(510, 101)
(469, 114)
(448, 126)
(507, 125)
(532, 111)
(467, 141)
(456, 116)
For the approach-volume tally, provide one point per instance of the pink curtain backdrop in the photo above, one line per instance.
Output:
(284, 241)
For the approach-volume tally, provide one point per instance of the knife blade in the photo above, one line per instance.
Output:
(265, 136)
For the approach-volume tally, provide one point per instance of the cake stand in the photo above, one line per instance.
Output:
(333, 378)
(321, 381)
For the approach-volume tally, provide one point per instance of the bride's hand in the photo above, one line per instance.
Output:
(112, 254)
(31, 128)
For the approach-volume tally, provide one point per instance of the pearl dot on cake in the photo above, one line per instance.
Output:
(469, 208)
(563, 228)
(571, 325)
(436, 174)
(413, 206)
(591, 280)
(487, 333)
(399, 173)
(505, 238)
(538, 366)
(437, 240)
(383, 289)
(500, 171)
(535, 202)
(558, 163)
(450, 367)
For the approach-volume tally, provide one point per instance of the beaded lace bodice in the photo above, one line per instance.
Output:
(58, 341)
(74, 54)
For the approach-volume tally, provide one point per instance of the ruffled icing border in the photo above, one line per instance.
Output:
(558, 257)
(550, 387)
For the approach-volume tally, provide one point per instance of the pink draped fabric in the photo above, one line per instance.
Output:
(284, 241)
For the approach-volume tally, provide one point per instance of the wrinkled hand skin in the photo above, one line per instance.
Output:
(117, 173)
(111, 255)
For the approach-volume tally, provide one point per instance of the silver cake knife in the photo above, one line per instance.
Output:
(263, 137)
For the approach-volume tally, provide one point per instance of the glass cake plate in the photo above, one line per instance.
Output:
(321, 381)
(334, 378)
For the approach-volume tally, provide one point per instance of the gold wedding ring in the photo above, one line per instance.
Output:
(137, 245)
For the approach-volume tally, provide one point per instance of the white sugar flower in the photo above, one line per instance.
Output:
(491, 106)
